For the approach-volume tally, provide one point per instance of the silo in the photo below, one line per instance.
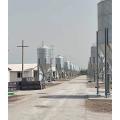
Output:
(60, 63)
(93, 54)
(71, 69)
(76, 70)
(67, 65)
(105, 29)
(90, 72)
(67, 68)
(44, 57)
(105, 21)
(71, 66)
(93, 61)
(60, 66)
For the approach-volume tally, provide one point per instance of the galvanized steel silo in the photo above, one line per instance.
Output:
(105, 21)
(44, 57)
(67, 66)
(60, 63)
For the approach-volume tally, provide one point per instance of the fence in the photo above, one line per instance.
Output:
(25, 85)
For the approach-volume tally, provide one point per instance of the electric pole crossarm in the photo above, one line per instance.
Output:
(22, 46)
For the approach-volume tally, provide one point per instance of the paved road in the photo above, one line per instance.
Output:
(65, 101)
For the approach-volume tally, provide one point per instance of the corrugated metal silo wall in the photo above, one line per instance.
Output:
(60, 63)
(104, 20)
(44, 55)
(93, 54)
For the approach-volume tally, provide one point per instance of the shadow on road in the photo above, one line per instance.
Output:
(42, 106)
(77, 82)
(69, 96)
(41, 93)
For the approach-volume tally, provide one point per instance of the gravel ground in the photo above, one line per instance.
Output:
(65, 101)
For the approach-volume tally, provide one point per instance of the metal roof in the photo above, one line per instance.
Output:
(27, 67)
(18, 67)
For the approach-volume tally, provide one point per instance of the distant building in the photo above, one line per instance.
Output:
(30, 72)
(15, 72)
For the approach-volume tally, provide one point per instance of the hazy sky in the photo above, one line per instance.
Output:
(69, 25)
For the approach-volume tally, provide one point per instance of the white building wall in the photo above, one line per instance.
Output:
(28, 73)
(8, 76)
(13, 75)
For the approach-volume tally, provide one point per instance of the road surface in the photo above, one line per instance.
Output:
(65, 101)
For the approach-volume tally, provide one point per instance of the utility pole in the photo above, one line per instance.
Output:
(107, 44)
(22, 46)
(97, 65)
(94, 68)
(105, 62)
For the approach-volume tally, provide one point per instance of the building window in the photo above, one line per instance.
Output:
(19, 74)
(35, 73)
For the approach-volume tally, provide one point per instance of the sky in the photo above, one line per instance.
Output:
(68, 25)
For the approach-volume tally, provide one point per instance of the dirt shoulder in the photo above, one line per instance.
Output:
(93, 85)
(99, 105)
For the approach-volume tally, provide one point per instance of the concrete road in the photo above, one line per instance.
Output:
(65, 101)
